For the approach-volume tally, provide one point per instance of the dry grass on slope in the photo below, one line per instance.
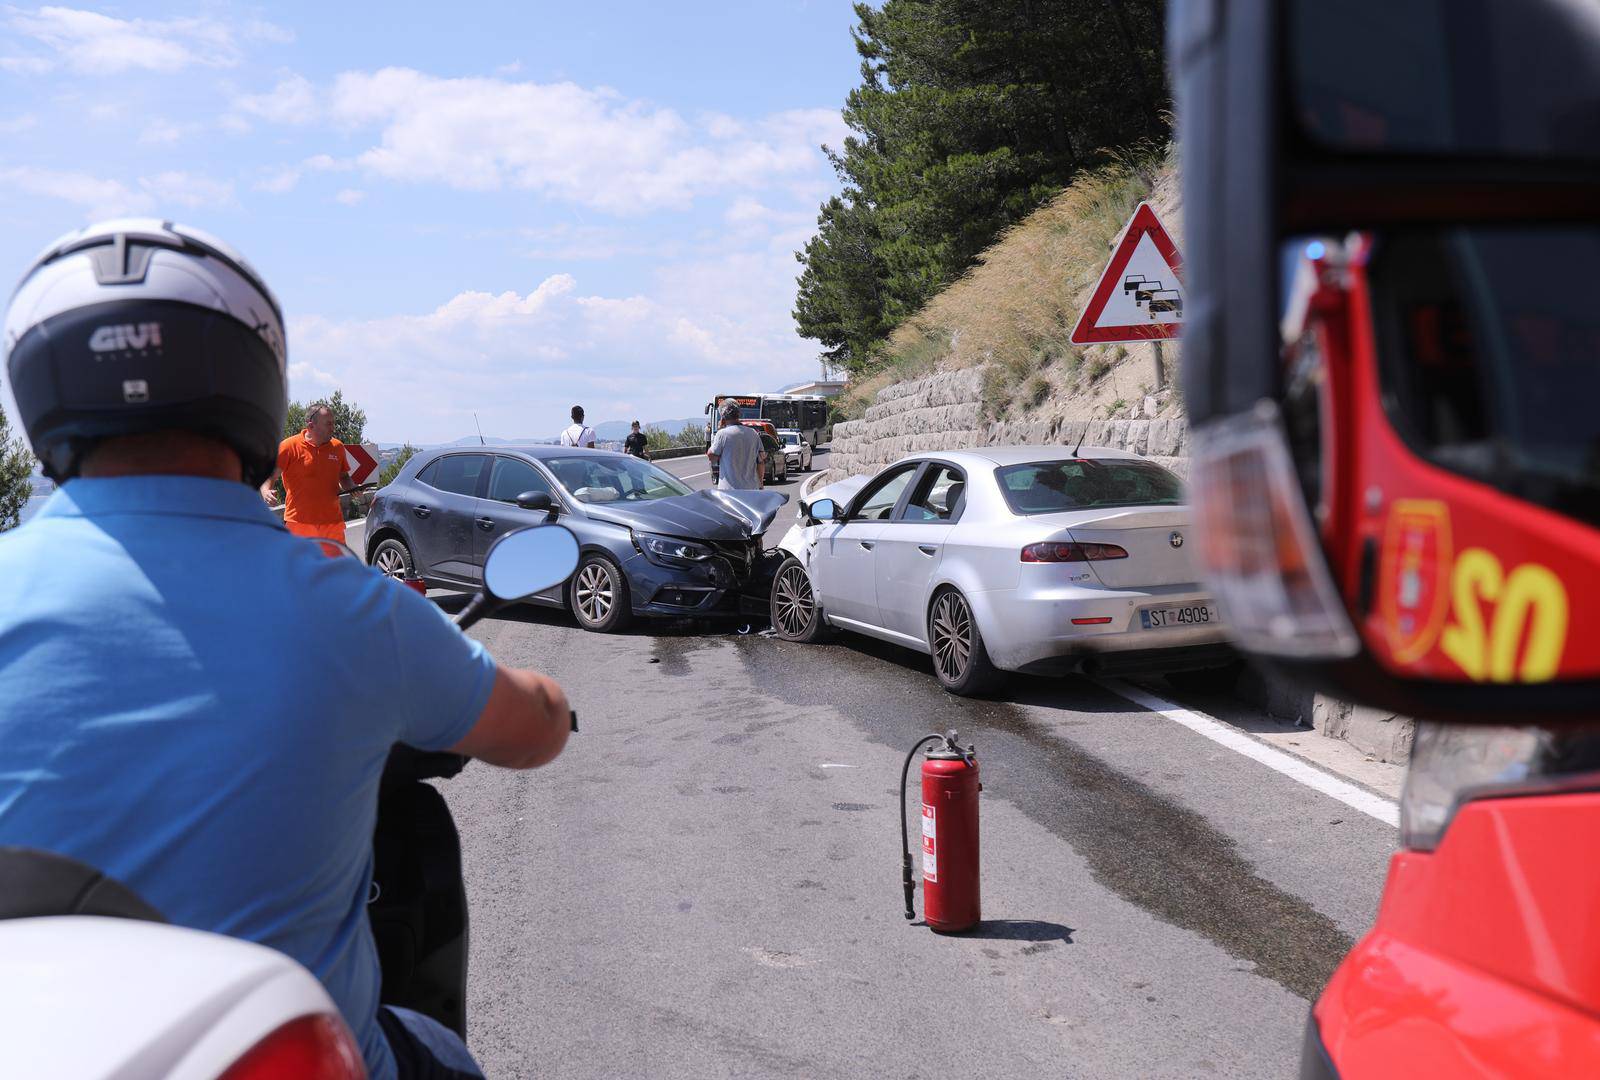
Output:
(1015, 309)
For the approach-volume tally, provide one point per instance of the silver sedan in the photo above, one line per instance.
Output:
(1035, 559)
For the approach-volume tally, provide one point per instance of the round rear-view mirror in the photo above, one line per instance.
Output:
(527, 561)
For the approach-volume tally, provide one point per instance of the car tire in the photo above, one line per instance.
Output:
(392, 558)
(795, 613)
(598, 594)
(1213, 680)
(960, 659)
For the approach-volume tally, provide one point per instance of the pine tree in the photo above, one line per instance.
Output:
(971, 113)
(16, 475)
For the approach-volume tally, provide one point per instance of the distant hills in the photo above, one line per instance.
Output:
(617, 430)
(606, 431)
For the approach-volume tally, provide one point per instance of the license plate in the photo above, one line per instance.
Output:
(1159, 618)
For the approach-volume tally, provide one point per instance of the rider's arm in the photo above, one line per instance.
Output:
(346, 485)
(524, 725)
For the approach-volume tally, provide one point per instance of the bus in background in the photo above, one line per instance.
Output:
(749, 409)
(805, 413)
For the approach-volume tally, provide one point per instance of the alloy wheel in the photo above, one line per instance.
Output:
(952, 636)
(595, 592)
(390, 563)
(796, 603)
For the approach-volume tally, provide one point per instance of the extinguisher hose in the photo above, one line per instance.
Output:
(905, 830)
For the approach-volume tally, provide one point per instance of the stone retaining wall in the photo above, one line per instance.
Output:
(944, 411)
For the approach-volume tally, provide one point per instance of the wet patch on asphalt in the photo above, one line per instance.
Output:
(1151, 851)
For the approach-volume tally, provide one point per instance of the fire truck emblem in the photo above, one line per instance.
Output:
(1413, 573)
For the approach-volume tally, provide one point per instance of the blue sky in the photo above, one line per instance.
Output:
(500, 208)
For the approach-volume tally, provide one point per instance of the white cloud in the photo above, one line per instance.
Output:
(187, 190)
(91, 43)
(100, 198)
(163, 132)
(16, 125)
(26, 65)
(589, 146)
(285, 178)
(292, 101)
(587, 243)
(350, 196)
(520, 360)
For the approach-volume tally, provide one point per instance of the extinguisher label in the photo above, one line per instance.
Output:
(930, 833)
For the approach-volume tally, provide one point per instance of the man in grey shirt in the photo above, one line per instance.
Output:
(736, 453)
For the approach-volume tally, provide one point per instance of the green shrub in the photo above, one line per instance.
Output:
(1038, 390)
(1098, 368)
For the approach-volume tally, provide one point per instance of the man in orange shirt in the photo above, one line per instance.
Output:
(314, 474)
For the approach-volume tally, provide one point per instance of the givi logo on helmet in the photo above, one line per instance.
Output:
(126, 336)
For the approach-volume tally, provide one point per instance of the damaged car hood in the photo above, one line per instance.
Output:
(704, 515)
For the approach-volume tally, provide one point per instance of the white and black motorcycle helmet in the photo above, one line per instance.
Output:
(141, 325)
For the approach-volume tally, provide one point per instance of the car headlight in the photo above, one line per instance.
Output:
(1453, 764)
(670, 549)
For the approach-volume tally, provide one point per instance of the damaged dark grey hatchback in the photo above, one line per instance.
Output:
(651, 545)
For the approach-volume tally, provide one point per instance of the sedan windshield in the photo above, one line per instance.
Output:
(593, 479)
(790, 438)
(1046, 487)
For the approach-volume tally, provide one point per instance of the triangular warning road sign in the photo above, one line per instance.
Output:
(1140, 296)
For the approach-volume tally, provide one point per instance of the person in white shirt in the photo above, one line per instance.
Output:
(579, 433)
(737, 454)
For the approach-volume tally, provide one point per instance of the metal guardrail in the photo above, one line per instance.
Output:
(677, 452)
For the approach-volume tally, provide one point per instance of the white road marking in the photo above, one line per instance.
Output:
(695, 475)
(833, 765)
(1352, 796)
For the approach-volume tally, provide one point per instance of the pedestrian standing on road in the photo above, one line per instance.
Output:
(314, 475)
(635, 442)
(578, 433)
(737, 454)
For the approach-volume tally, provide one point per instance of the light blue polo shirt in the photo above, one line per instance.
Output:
(199, 704)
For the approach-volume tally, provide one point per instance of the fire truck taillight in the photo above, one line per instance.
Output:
(1257, 545)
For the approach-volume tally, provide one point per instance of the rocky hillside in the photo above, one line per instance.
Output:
(988, 360)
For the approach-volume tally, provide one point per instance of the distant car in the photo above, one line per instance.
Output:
(796, 450)
(777, 468)
(650, 545)
(1033, 559)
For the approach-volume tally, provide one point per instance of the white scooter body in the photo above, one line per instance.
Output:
(89, 998)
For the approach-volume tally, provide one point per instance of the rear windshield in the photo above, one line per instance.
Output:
(1048, 487)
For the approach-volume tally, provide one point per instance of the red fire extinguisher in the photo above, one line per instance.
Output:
(949, 835)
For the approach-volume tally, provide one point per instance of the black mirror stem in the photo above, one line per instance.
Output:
(480, 605)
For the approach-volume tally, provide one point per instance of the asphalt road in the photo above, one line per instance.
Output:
(706, 884)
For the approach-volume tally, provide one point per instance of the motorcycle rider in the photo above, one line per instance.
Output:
(192, 700)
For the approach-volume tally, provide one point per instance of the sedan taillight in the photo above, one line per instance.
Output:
(1053, 551)
(314, 1047)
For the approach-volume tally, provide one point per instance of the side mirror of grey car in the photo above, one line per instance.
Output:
(537, 500)
(823, 510)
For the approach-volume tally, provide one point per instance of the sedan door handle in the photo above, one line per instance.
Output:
(486, 523)
(421, 511)
(866, 544)
(928, 549)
